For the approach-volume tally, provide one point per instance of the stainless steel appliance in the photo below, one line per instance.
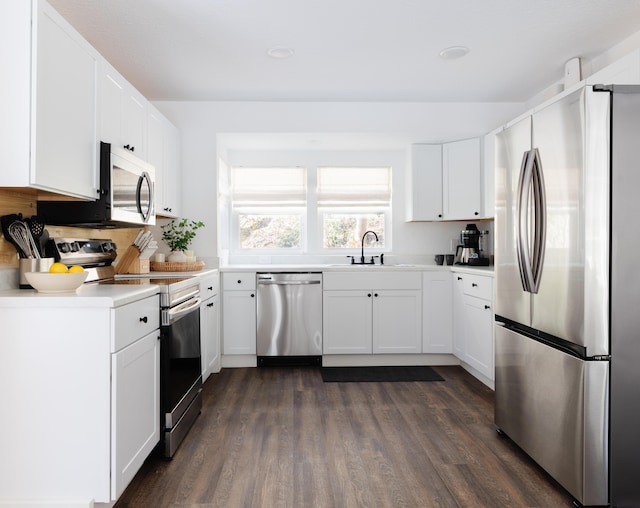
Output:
(567, 375)
(180, 359)
(126, 196)
(180, 355)
(289, 318)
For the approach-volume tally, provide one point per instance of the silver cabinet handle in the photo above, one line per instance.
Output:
(288, 283)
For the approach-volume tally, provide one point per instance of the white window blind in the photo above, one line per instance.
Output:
(268, 187)
(348, 187)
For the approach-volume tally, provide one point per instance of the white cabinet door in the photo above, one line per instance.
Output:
(135, 422)
(239, 322)
(461, 179)
(473, 322)
(488, 174)
(459, 318)
(210, 336)
(425, 191)
(123, 112)
(63, 131)
(163, 152)
(346, 322)
(479, 334)
(397, 321)
(172, 171)
(437, 312)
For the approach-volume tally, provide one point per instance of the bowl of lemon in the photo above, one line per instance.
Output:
(59, 279)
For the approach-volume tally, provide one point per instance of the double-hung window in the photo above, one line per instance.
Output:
(269, 207)
(351, 201)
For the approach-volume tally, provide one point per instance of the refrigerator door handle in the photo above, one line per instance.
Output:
(522, 222)
(540, 220)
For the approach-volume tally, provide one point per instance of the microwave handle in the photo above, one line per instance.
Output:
(145, 215)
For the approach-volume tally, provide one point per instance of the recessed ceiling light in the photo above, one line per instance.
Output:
(454, 52)
(280, 52)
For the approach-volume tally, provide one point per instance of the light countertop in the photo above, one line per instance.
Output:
(87, 295)
(479, 270)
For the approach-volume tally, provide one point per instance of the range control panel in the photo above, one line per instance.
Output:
(82, 251)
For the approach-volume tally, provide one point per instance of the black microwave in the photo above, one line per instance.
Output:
(126, 197)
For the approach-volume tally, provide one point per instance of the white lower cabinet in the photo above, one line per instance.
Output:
(88, 397)
(210, 325)
(372, 313)
(239, 313)
(346, 322)
(473, 322)
(437, 312)
(135, 377)
(397, 323)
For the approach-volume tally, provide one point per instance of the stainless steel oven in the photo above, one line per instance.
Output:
(180, 359)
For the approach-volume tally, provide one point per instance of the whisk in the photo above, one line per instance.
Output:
(22, 237)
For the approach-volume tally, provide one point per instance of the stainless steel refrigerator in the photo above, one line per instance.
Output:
(567, 351)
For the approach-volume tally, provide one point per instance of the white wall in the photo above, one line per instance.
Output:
(387, 125)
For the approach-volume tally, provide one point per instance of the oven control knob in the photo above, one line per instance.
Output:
(64, 247)
(108, 246)
(74, 246)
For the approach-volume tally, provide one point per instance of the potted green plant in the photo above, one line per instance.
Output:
(178, 235)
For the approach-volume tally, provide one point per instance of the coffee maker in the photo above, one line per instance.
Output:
(468, 252)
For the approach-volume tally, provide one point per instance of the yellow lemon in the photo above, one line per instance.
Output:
(58, 268)
(76, 269)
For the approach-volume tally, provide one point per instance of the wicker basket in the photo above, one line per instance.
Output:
(176, 267)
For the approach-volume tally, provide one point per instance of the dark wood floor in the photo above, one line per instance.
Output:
(280, 437)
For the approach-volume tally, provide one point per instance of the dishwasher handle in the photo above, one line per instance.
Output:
(267, 282)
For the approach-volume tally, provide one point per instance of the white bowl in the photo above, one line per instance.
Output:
(46, 282)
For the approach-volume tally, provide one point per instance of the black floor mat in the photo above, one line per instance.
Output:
(378, 374)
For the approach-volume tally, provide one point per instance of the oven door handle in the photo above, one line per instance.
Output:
(184, 308)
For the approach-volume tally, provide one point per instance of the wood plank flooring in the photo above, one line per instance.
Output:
(280, 437)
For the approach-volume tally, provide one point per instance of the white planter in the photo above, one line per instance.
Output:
(177, 256)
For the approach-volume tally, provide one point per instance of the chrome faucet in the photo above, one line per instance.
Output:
(362, 252)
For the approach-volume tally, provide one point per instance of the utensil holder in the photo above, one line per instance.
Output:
(32, 265)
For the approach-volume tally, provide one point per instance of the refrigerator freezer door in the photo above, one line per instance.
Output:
(513, 145)
(554, 406)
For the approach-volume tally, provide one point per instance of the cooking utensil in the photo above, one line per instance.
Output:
(19, 231)
(36, 226)
(6, 221)
(44, 240)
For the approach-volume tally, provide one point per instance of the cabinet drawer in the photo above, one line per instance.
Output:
(238, 281)
(133, 321)
(209, 286)
(478, 286)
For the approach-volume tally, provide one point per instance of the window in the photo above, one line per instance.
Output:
(352, 201)
(269, 207)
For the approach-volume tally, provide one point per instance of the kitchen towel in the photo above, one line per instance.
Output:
(378, 374)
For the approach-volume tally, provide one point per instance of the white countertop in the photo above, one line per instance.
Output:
(480, 270)
(87, 295)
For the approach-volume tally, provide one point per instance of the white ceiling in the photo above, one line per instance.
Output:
(348, 50)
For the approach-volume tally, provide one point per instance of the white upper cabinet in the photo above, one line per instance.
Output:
(488, 174)
(48, 101)
(461, 187)
(425, 190)
(163, 153)
(123, 112)
(446, 181)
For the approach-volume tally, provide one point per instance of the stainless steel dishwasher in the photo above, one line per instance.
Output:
(289, 321)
